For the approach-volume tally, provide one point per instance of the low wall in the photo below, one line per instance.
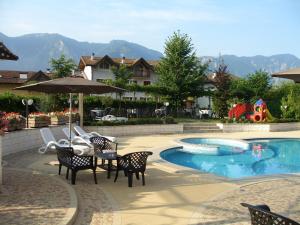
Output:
(272, 127)
(137, 129)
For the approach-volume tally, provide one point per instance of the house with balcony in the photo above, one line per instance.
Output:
(99, 69)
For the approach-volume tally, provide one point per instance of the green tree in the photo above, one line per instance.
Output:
(122, 75)
(260, 83)
(222, 95)
(181, 74)
(62, 67)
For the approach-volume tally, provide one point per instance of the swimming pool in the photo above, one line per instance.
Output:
(263, 157)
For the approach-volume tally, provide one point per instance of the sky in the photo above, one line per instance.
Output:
(240, 27)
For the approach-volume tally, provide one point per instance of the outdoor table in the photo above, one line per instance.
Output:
(109, 156)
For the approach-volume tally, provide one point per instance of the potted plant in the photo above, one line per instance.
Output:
(57, 118)
(38, 119)
(12, 121)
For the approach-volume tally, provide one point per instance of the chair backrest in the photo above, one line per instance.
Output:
(65, 155)
(135, 160)
(66, 131)
(47, 135)
(262, 216)
(101, 143)
(80, 131)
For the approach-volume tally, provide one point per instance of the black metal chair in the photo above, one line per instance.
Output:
(262, 215)
(73, 162)
(133, 163)
(103, 148)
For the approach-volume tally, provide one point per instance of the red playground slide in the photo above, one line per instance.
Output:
(239, 110)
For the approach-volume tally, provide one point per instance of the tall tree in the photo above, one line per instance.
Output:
(122, 75)
(181, 74)
(222, 82)
(260, 83)
(62, 66)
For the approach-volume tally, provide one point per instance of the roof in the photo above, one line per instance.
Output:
(13, 77)
(92, 61)
(292, 74)
(6, 54)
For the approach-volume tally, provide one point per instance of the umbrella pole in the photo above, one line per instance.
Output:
(70, 118)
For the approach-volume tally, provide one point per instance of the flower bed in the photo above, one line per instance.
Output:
(38, 120)
(12, 121)
(58, 118)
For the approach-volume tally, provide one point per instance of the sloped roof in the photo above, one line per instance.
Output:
(13, 77)
(6, 54)
(92, 61)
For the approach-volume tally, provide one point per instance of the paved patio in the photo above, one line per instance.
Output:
(172, 195)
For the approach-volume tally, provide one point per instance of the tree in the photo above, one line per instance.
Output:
(62, 67)
(122, 75)
(260, 83)
(222, 82)
(181, 74)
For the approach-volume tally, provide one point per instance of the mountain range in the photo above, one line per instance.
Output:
(36, 50)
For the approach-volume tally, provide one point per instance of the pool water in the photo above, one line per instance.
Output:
(264, 157)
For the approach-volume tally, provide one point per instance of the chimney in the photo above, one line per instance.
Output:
(48, 70)
(92, 56)
(123, 60)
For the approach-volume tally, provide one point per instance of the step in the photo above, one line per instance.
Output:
(204, 131)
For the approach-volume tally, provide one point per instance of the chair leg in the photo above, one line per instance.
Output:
(95, 177)
(129, 179)
(59, 168)
(73, 176)
(143, 178)
(137, 175)
(117, 173)
(67, 174)
(109, 166)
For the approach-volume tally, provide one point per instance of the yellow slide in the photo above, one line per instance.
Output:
(269, 115)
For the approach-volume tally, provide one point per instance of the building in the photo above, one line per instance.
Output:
(12, 79)
(99, 69)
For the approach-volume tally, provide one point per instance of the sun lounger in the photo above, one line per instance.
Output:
(50, 143)
(75, 139)
(82, 133)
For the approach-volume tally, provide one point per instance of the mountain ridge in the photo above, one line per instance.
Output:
(35, 51)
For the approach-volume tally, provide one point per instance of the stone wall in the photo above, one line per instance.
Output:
(137, 129)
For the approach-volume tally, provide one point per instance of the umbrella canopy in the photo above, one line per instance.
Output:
(293, 74)
(72, 84)
(6, 54)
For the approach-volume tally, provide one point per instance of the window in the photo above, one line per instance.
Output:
(147, 82)
(104, 65)
(132, 81)
(23, 76)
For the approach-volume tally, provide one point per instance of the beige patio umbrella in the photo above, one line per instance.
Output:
(72, 84)
(293, 74)
(6, 54)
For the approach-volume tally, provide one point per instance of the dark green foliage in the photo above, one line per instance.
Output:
(62, 67)
(181, 74)
(122, 75)
(222, 95)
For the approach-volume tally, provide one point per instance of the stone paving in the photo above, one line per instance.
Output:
(172, 195)
(28, 197)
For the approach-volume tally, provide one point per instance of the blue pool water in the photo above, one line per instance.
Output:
(263, 157)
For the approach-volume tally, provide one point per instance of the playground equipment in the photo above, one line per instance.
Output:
(257, 112)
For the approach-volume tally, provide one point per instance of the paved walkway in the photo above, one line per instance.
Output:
(172, 195)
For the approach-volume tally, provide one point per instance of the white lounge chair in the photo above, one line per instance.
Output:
(50, 143)
(75, 139)
(82, 133)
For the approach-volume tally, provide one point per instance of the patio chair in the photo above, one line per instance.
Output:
(82, 133)
(262, 215)
(50, 143)
(75, 139)
(66, 157)
(103, 148)
(133, 163)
